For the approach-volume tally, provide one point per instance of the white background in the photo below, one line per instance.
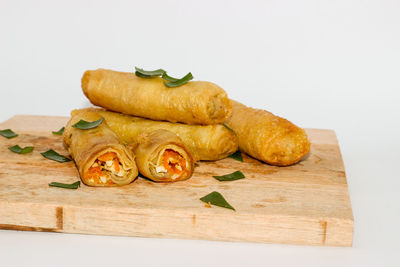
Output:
(321, 64)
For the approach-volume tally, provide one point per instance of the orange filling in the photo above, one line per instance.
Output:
(95, 172)
(107, 156)
(174, 163)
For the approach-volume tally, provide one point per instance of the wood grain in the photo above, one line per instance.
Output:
(307, 203)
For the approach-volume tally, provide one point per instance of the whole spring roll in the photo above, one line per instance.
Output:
(207, 142)
(196, 102)
(162, 157)
(267, 137)
(101, 159)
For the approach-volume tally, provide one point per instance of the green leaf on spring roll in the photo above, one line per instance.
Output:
(52, 155)
(20, 150)
(59, 132)
(86, 125)
(237, 156)
(180, 82)
(67, 186)
(148, 73)
(165, 76)
(230, 177)
(216, 199)
(8, 133)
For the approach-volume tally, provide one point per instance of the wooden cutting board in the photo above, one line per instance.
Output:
(306, 204)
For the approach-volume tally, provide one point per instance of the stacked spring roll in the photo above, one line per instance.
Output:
(206, 142)
(102, 160)
(196, 102)
(168, 129)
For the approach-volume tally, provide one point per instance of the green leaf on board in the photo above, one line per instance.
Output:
(237, 156)
(67, 186)
(59, 132)
(8, 133)
(52, 155)
(216, 199)
(230, 177)
(20, 150)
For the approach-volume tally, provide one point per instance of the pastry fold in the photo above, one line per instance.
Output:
(207, 142)
(196, 102)
(101, 159)
(162, 157)
(267, 137)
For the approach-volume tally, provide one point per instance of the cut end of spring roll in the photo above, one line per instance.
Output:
(107, 169)
(102, 160)
(196, 102)
(162, 157)
(267, 137)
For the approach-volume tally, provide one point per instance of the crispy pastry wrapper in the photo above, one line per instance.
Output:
(86, 146)
(267, 137)
(207, 142)
(196, 102)
(152, 151)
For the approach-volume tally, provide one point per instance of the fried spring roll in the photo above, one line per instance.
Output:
(267, 137)
(162, 157)
(208, 142)
(101, 159)
(196, 102)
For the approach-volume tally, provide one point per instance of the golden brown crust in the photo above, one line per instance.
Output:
(207, 142)
(86, 146)
(196, 102)
(267, 137)
(149, 150)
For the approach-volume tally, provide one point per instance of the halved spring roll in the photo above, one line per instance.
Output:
(196, 102)
(267, 137)
(207, 142)
(162, 157)
(101, 159)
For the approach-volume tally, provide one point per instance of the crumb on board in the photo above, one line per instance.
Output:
(207, 205)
